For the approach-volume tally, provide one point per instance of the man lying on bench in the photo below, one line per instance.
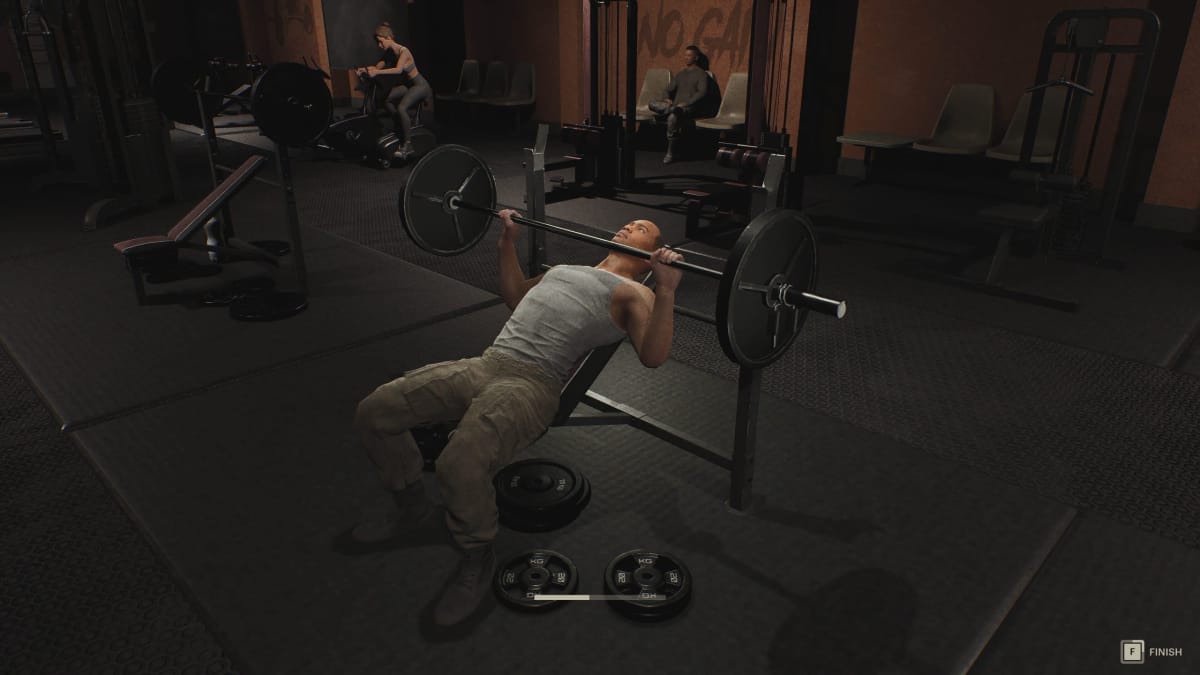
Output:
(507, 397)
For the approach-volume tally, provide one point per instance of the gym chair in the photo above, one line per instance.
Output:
(654, 88)
(731, 115)
(1049, 122)
(966, 124)
(522, 93)
(468, 85)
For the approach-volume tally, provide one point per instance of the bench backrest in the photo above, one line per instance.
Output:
(214, 200)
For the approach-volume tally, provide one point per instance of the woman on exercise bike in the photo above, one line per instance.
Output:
(395, 82)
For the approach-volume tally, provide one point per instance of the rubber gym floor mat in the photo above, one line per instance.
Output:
(246, 508)
(81, 589)
(1190, 363)
(1106, 584)
(1075, 425)
(1141, 307)
(98, 353)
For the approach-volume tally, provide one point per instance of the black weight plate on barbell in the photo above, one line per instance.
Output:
(173, 85)
(536, 572)
(640, 573)
(779, 241)
(538, 495)
(292, 104)
(425, 212)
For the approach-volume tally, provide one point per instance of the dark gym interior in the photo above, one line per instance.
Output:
(214, 249)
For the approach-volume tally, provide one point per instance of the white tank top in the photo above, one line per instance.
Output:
(562, 318)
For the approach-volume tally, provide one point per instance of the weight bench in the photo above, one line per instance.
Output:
(759, 185)
(432, 438)
(161, 252)
(1006, 219)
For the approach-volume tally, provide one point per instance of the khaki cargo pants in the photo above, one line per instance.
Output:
(504, 405)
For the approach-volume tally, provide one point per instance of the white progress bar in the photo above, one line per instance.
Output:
(640, 598)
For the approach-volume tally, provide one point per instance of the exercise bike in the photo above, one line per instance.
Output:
(360, 136)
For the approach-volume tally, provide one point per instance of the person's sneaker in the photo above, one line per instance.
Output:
(404, 152)
(667, 159)
(467, 588)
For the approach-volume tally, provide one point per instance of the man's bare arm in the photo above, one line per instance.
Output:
(513, 284)
(651, 324)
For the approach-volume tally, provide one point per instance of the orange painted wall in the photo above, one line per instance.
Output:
(904, 63)
(273, 36)
(572, 85)
(666, 27)
(1174, 182)
(523, 32)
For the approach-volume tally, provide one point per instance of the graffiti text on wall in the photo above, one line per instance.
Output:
(719, 33)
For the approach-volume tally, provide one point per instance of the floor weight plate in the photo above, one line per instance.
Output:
(655, 586)
(541, 571)
(270, 306)
(538, 495)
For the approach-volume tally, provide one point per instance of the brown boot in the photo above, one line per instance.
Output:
(467, 588)
(415, 521)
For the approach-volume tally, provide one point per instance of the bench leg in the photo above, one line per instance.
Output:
(999, 256)
(139, 284)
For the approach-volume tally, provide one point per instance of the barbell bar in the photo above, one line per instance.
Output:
(785, 294)
(449, 200)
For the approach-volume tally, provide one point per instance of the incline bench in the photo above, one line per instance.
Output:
(161, 252)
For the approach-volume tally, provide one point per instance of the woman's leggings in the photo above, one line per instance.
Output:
(402, 100)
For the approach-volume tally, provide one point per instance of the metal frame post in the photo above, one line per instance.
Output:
(284, 166)
(759, 35)
(629, 149)
(745, 439)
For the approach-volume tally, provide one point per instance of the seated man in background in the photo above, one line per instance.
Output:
(507, 397)
(691, 95)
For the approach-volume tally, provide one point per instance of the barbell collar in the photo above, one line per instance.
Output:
(816, 303)
(794, 298)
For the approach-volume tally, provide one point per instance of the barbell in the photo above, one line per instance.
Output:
(449, 201)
